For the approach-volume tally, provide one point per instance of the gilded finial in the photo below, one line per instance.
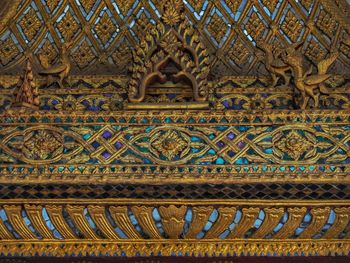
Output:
(26, 93)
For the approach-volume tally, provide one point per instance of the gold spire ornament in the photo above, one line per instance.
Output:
(60, 71)
(26, 93)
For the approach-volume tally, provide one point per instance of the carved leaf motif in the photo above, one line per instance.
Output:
(7, 130)
(265, 144)
(310, 153)
(82, 130)
(256, 158)
(324, 145)
(333, 130)
(185, 152)
(82, 158)
(337, 158)
(6, 159)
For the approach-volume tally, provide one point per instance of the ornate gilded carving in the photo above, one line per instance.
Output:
(172, 214)
(171, 53)
(26, 93)
(251, 148)
(173, 220)
(208, 124)
(59, 71)
(306, 82)
(30, 24)
(274, 65)
(291, 26)
(72, 25)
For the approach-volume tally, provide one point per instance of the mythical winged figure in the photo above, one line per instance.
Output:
(306, 82)
(60, 70)
(274, 65)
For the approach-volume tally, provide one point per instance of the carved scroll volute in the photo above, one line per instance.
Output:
(200, 218)
(145, 219)
(120, 216)
(56, 216)
(15, 216)
(272, 217)
(175, 41)
(296, 215)
(173, 219)
(319, 218)
(341, 221)
(76, 212)
(98, 215)
(34, 214)
(249, 216)
(226, 215)
(4, 233)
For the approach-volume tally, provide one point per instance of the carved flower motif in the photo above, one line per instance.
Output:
(294, 145)
(170, 144)
(171, 15)
(70, 104)
(170, 44)
(42, 145)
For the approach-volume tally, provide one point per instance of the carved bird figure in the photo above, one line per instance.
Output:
(44, 60)
(306, 82)
(60, 70)
(275, 66)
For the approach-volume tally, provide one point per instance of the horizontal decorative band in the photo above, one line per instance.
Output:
(178, 248)
(177, 117)
(141, 174)
(261, 191)
(140, 224)
(192, 153)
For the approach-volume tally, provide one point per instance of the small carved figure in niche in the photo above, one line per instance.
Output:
(60, 71)
(273, 63)
(306, 82)
(26, 93)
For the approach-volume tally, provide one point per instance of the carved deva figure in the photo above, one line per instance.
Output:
(60, 71)
(26, 93)
(274, 65)
(306, 82)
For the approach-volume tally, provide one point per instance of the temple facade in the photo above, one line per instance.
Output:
(174, 131)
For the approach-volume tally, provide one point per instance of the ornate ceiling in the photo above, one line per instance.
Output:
(104, 33)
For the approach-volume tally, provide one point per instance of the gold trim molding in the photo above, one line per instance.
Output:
(197, 249)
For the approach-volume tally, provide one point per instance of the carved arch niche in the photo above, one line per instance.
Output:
(170, 66)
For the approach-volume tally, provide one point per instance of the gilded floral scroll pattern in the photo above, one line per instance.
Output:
(213, 144)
